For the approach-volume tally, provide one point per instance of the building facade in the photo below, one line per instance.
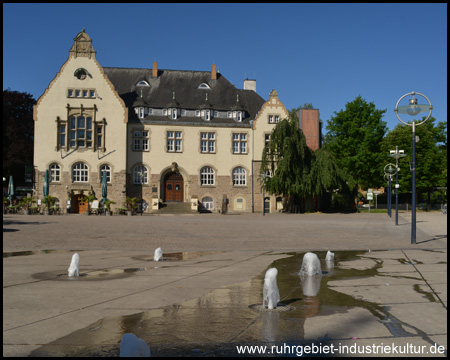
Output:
(170, 135)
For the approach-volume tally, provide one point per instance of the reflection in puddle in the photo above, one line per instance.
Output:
(213, 324)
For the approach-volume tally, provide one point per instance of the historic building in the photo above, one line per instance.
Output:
(174, 136)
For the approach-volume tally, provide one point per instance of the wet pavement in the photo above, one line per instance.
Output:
(207, 302)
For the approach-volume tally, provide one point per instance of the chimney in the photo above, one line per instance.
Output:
(213, 72)
(155, 69)
(250, 85)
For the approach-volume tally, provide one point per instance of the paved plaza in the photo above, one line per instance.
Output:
(384, 290)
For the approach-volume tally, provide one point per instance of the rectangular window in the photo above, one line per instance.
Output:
(92, 93)
(77, 93)
(80, 131)
(174, 141)
(140, 140)
(239, 143)
(99, 137)
(273, 119)
(208, 142)
(62, 135)
(85, 93)
(70, 93)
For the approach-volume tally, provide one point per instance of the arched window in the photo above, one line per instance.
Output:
(80, 173)
(142, 83)
(140, 175)
(204, 86)
(208, 203)
(107, 169)
(207, 176)
(55, 173)
(239, 176)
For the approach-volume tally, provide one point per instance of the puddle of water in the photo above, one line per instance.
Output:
(94, 275)
(215, 323)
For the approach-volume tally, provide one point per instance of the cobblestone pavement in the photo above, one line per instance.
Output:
(47, 314)
(223, 232)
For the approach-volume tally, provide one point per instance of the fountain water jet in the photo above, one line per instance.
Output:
(74, 268)
(310, 265)
(132, 346)
(271, 295)
(330, 256)
(158, 254)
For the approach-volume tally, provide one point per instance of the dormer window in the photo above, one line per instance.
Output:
(142, 83)
(197, 113)
(174, 114)
(207, 115)
(239, 116)
(204, 86)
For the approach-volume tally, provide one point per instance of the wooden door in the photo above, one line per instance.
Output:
(174, 187)
(79, 205)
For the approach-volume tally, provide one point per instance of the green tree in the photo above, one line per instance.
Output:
(431, 157)
(354, 137)
(326, 176)
(18, 134)
(288, 159)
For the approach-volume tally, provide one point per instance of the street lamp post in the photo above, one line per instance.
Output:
(141, 176)
(397, 154)
(388, 171)
(413, 109)
(264, 176)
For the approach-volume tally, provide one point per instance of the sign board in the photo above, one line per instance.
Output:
(369, 196)
(376, 192)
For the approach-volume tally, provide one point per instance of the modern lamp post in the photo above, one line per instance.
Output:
(389, 171)
(397, 154)
(141, 176)
(413, 109)
(264, 176)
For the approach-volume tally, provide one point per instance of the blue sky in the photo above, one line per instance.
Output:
(324, 54)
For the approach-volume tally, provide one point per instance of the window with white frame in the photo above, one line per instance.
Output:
(107, 169)
(80, 172)
(207, 142)
(55, 173)
(208, 203)
(140, 140)
(197, 113)
(62, 135)
(239, 176)
(239, 143)
(273, 119)
(207, 115)
(174, 141)
(174, 114)
(207, 176)
(80, 131)
(140, 175)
